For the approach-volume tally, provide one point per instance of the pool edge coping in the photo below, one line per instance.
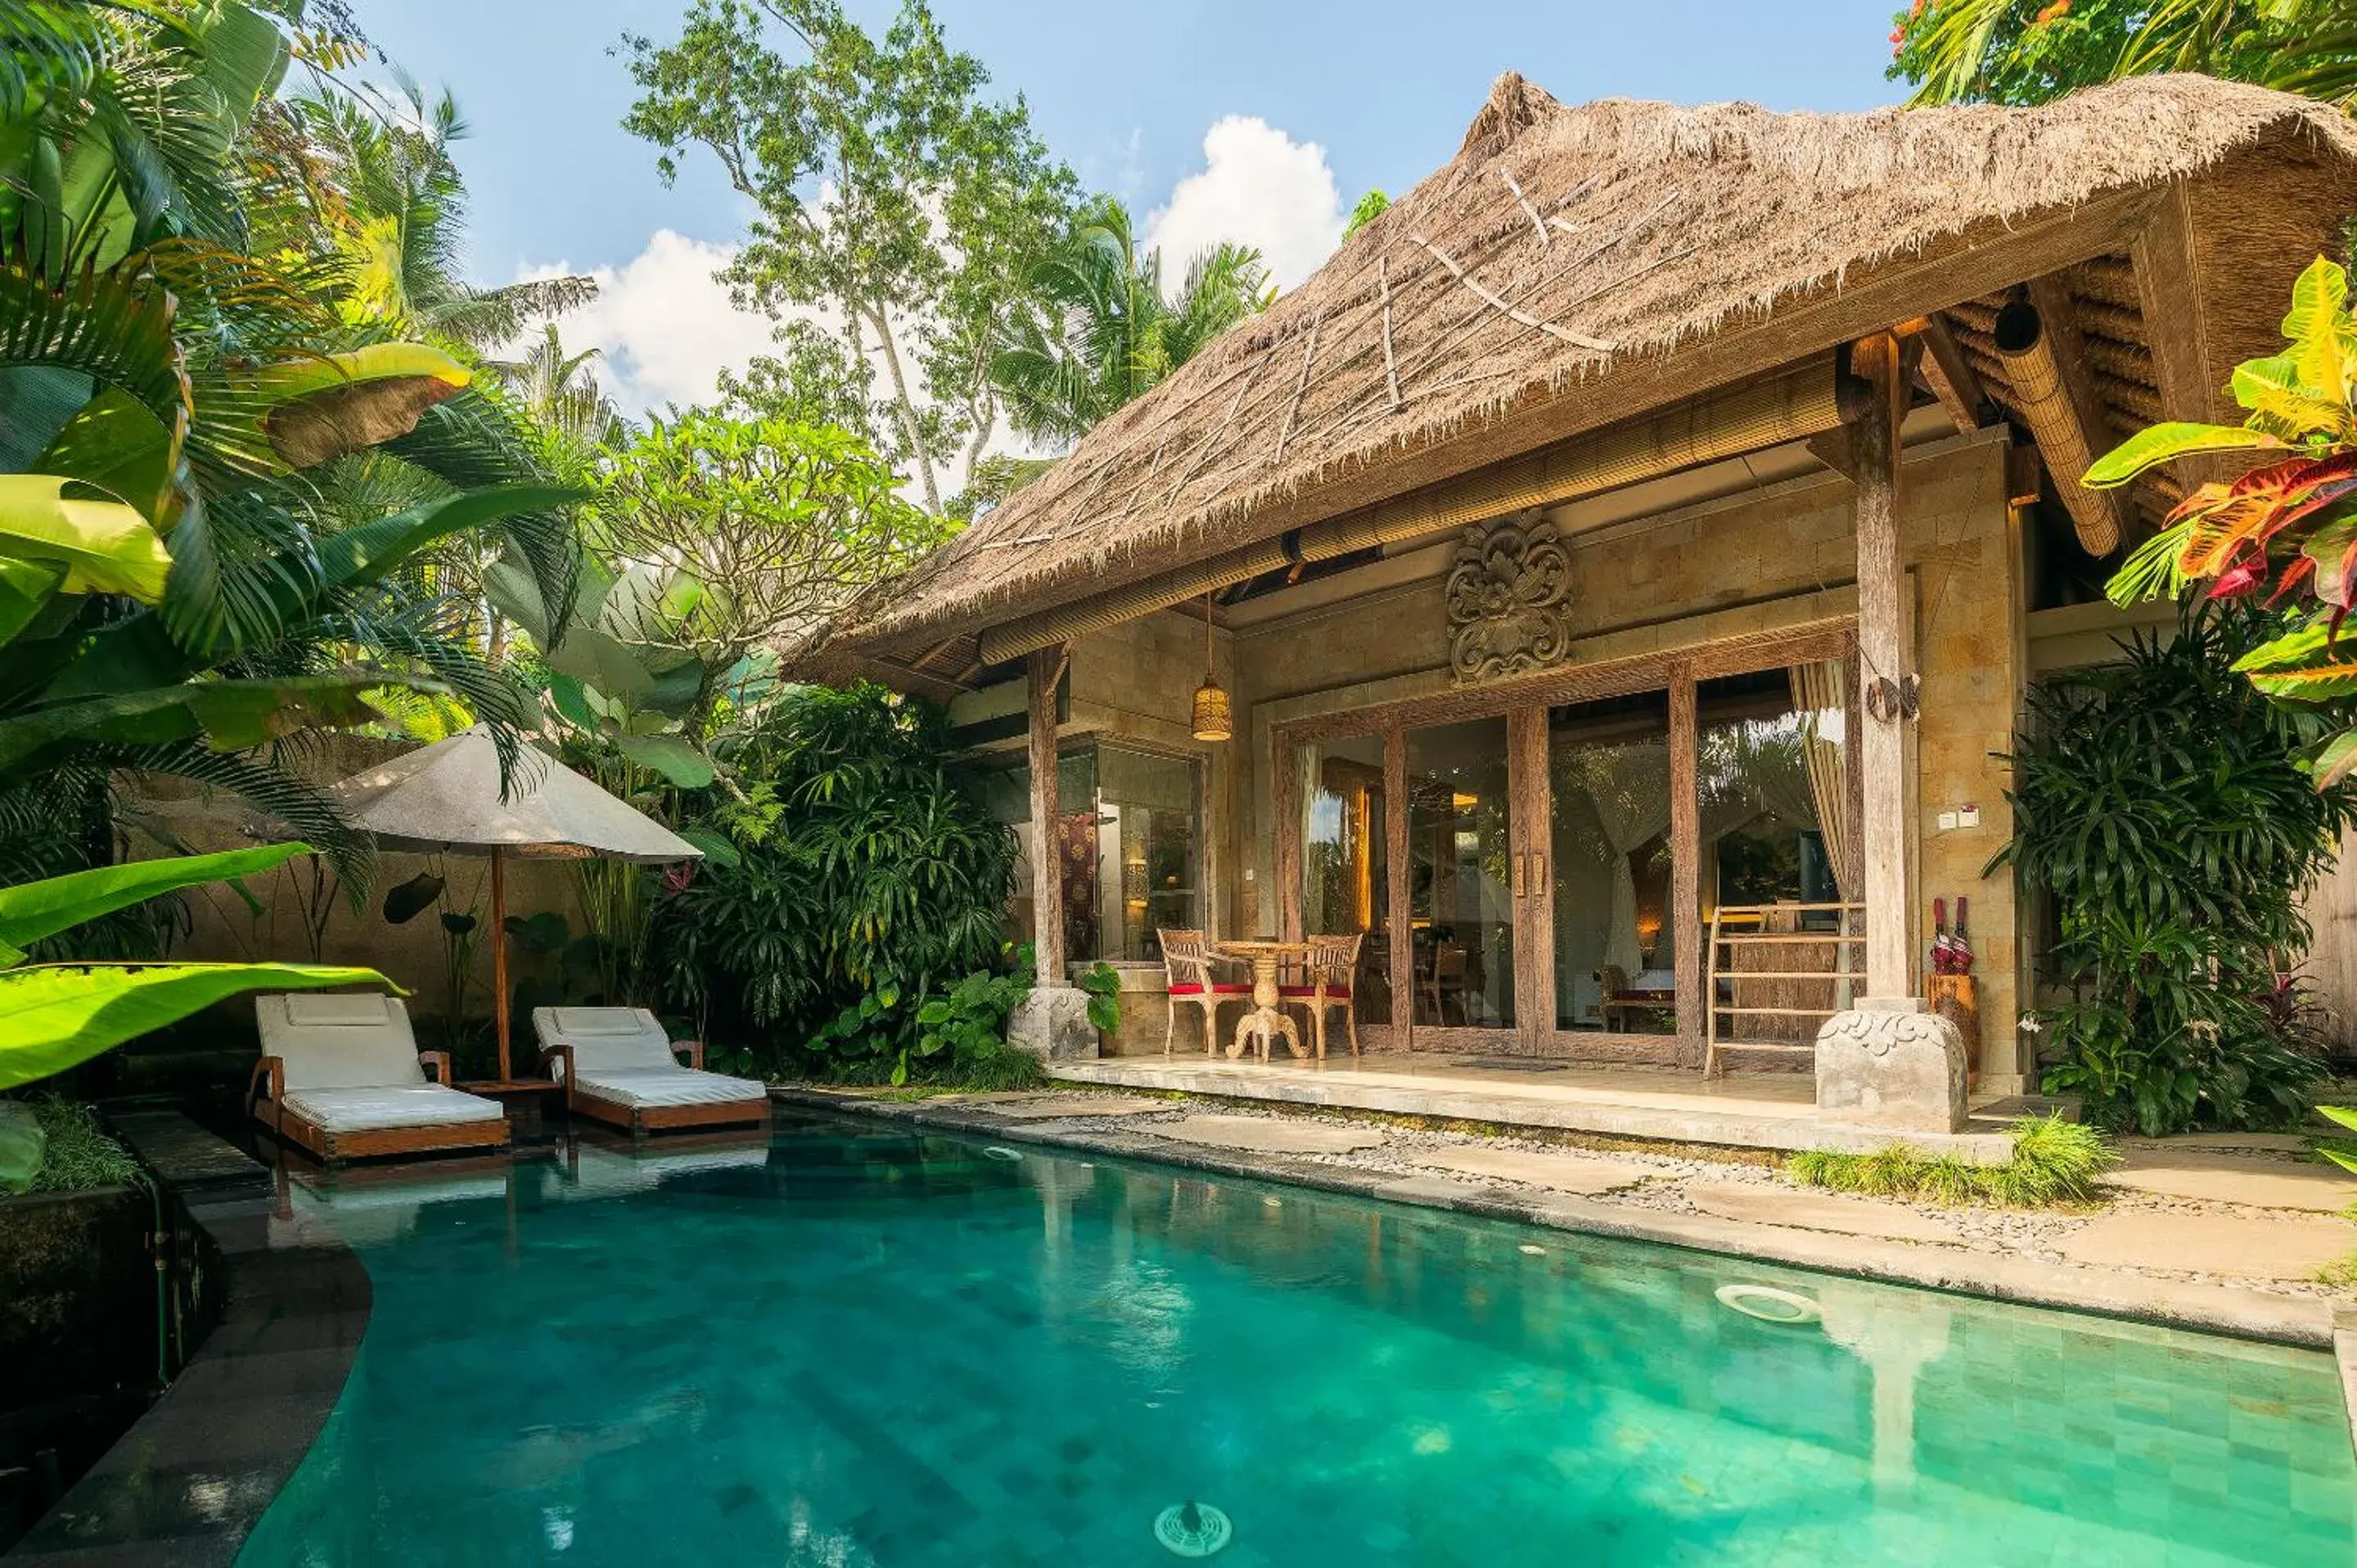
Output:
(2307, 1323)
(140, 1503)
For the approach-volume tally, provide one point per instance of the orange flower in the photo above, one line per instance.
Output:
(2052, 12)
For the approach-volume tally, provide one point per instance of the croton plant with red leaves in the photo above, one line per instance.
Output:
(2286, 531)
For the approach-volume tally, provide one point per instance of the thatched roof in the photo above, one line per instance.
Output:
(1560, 248)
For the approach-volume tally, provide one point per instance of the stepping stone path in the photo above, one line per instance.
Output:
(1757, 1204)
(2277, 1247)
(1267, 1136)
(2223, 1178)
(1056, 1107)
(1585, 1174)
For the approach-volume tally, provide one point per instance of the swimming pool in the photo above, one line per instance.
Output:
(859, 1345)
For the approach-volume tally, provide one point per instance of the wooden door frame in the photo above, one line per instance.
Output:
(1523, 703)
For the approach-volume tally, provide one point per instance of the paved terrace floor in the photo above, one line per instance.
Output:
(1754, 1111)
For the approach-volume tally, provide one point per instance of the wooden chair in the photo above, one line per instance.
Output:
(1332, 964)
(1187, 968)
(1447, 975)
(1613, 1006)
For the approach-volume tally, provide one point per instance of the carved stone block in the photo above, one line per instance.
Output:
(1897, 1069)
(1052, 1023)
(1509, 593)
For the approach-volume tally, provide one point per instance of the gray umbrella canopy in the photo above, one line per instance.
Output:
(446, 797)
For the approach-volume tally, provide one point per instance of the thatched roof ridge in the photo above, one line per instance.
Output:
(1559, 245)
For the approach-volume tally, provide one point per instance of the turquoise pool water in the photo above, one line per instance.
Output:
(853, 1346)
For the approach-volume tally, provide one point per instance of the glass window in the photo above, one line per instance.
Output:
(1345, 859)
(1128, 847)
(1460, 899)
(1151, 854)
(1615, 945)
(1772, 781)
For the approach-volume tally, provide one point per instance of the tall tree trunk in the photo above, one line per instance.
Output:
(907, 407)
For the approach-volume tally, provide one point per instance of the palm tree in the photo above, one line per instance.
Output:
(1106, 332)
(216, 479)
(392, 202)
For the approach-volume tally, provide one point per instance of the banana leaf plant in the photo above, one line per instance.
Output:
(55, 1015)
(2285, 531)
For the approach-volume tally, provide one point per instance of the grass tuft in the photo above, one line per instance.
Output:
(2053, 1161)
(78, 1154)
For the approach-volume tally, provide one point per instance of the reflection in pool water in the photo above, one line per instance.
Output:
(853, 1345)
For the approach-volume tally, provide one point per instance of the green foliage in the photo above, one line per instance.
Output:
(58, 1016)
(867, 880)
(1100, 329)
(2054, 1162)
(889, 190)
(2030, 52)
(231, 487)
(76, 1154)
(2160, 802)
(1102, 983)
(1371, 205)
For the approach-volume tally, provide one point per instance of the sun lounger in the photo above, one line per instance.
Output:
(341, 1077)
(618, 1066)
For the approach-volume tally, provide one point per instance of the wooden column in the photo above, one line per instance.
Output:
(1691, 964)
(1043, 671)
(1400, 931)
(1884, 673)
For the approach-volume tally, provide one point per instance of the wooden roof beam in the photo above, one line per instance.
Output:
(1951, 377)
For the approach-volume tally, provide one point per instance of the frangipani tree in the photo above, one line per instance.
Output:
(2287, 529)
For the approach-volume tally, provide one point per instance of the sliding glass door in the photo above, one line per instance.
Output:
(1643, 868)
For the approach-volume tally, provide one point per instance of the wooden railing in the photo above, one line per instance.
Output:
(1762, 968)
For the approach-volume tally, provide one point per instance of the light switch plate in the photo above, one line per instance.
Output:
(1971, 816)
(1947, 821)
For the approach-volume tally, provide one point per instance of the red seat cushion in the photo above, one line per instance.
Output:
(1333, 992)
(1218, 988)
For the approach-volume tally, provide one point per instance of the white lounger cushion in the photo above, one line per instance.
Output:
(644, 1088)
(339, 1042)
(628, 1037)
(376, 1110)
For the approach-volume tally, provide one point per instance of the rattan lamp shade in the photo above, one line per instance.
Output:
(1214, 715)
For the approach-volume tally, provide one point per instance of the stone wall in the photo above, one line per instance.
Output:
(178, 817)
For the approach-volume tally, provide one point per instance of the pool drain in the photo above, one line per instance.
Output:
(1192, 1529)
(1769, 1305)
(995, 1153)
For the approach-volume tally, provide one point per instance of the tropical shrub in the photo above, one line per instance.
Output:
(2029, 51)
(848, 865)
(2160, 804)
(2287, 528)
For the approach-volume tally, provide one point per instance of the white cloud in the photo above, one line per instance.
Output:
(665, 325)
(1258, 187)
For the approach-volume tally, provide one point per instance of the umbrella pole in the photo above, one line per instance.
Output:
(500, 957)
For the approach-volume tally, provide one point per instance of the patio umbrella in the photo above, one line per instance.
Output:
(445, 798)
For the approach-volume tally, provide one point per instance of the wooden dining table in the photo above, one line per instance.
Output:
(1267, 1019)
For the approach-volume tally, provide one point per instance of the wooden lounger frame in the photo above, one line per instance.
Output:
(640, 1120)
(266, 1094)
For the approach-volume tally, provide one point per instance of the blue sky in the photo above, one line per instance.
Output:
(1316, 101)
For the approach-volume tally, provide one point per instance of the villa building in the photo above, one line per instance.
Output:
(1621, 569)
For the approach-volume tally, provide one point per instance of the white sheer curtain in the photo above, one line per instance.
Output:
(1820, 692)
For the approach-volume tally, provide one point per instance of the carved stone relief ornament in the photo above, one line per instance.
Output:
(1509, 599)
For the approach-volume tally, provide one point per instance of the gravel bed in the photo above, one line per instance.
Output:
(2034, 1234)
